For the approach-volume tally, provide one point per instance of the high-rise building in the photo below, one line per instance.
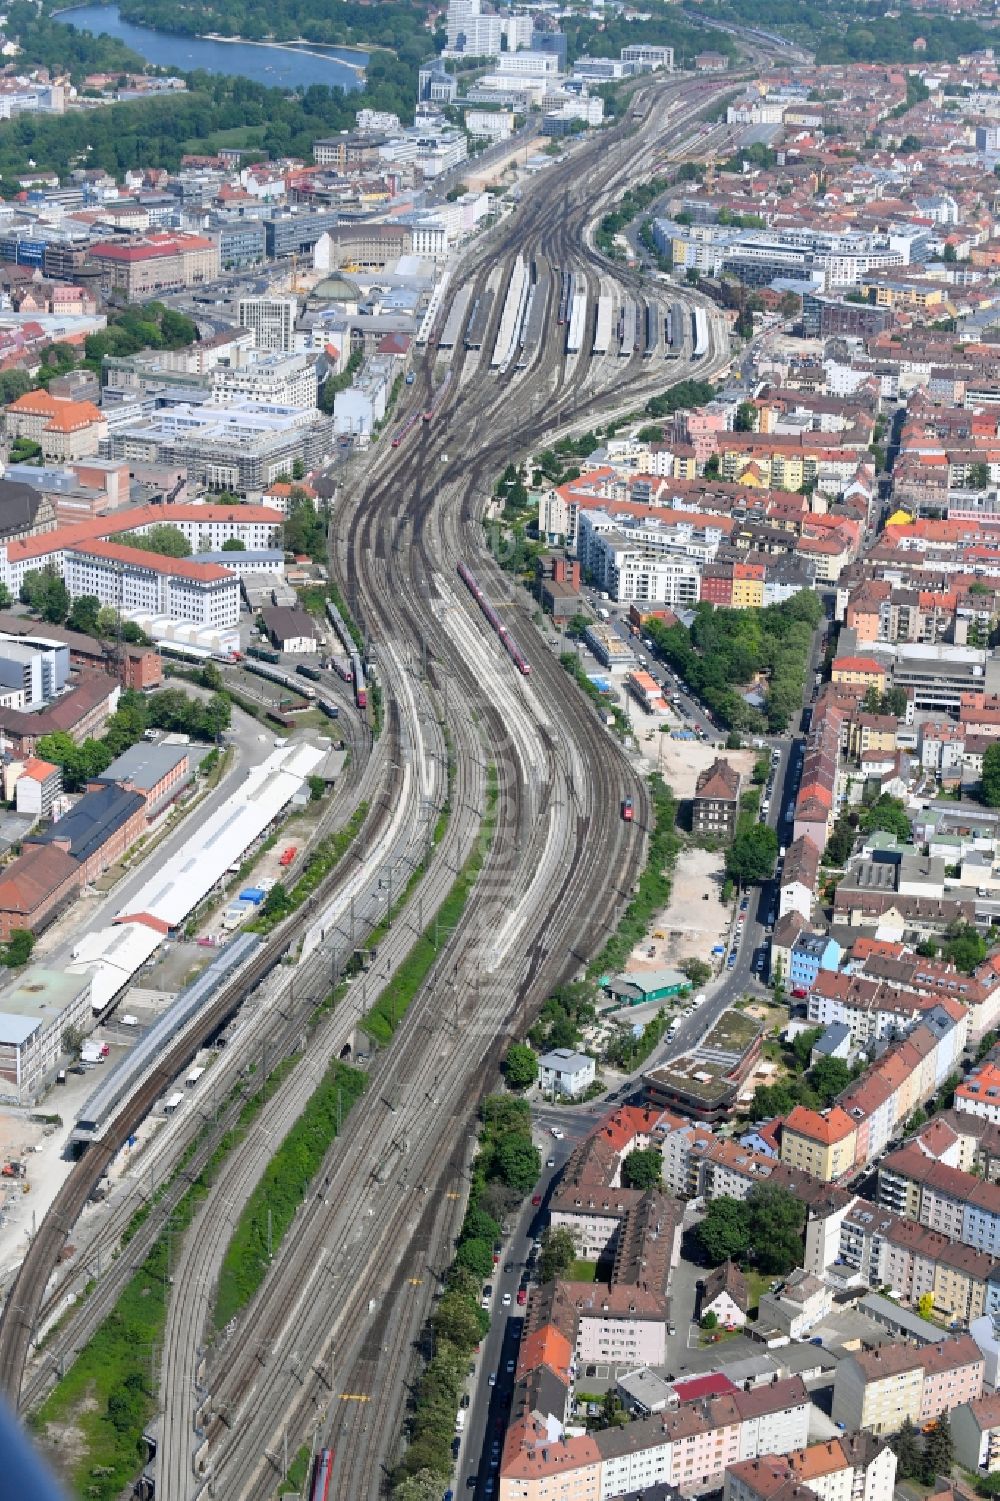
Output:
(472, 33)
(271, 319)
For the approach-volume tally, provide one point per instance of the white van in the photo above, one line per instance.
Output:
(460, 1420)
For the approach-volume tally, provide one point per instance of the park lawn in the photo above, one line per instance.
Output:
(245, 137)
(582, 1271)
(757, 1284)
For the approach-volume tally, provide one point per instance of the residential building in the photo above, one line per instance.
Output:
(810, 953)
(565, 1072)
(797, 881)
(975, 1431)
(850, 1467)
(725, 1294)
(65, 430)
(271, 320)
(38, 785)
(822, 1143)
(716, 801)
(879, 1389)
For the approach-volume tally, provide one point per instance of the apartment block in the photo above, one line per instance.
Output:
(879, 1389)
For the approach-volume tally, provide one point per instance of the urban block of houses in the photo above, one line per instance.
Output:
(879, 1389)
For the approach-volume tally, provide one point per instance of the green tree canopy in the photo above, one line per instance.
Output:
(558, 1253)
(477, 1255)
(724, 1232)
(520, 1066)
(643, 1168)
(164, 538)
(990, 784)
(751, 856)
(517, 1162)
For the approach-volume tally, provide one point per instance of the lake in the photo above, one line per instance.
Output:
(277, 67)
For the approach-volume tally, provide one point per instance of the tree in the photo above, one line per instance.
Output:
(724, 1233)
(501, 1113)
(83, 614)
(558, 1253)
(776, 1219)
(696, 970)
(479, 1225)
(925, 1305)
(939, 1451)
(56, 604)
(477, 1255)
(906, 1446)
(45, 593)
(234, 544)
(978, 476)
(277, 902)
(710, 1320)
(745, 420)
(107, 621)
(829, 1078)
(888, 813)
(164, 538)
(520, 1066)
(425, 1485)
(990, 783)
(317, 788)
(965, 947)
(72, 1042)
(303, 530)
(6, 598)
(517, 1163)
(752, 854)
(643, 1168)
(18, 948)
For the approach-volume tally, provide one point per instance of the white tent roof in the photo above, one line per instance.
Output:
(114, 953)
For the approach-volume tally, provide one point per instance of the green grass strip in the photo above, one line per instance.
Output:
(271, 1207)
(390, 1008)
(107, 1395)
(298, 1472)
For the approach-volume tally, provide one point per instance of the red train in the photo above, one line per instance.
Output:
(360, 687)
(510, 646)
(431, 411)
(322, 1474)
(407, 427)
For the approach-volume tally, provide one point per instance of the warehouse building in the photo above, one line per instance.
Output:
(113, 954)
(36, 887)
(98, 829)
(35, 1016)
(157, 772)
(291, 628)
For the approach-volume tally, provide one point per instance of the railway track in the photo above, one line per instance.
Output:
(27, 1297)
(558, 817)
(557, 828)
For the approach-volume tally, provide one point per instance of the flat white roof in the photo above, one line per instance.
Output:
(114, 953)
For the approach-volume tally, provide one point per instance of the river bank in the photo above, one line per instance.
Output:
(275, 64)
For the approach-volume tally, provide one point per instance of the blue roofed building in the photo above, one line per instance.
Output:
(810, 953)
